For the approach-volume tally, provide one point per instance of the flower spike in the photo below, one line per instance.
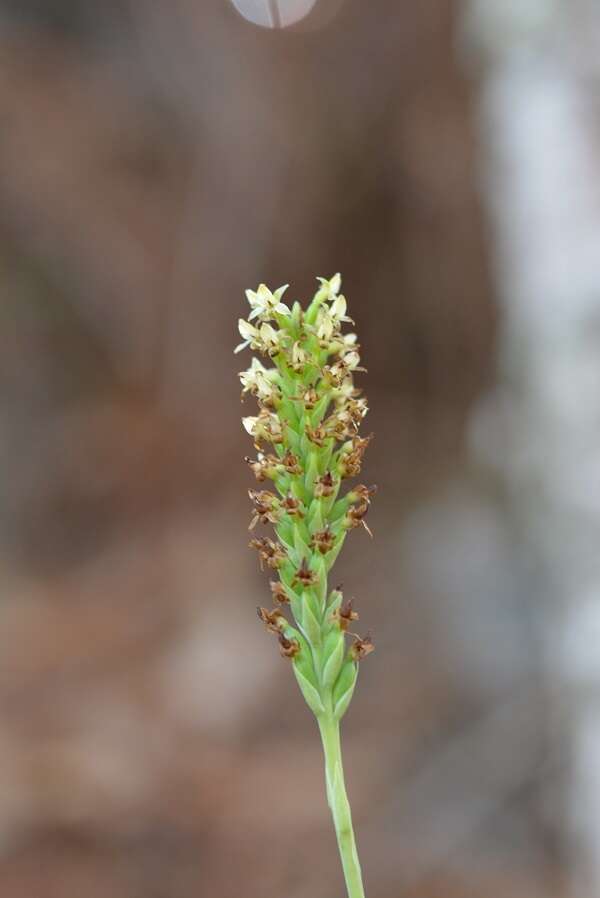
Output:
(309, 414)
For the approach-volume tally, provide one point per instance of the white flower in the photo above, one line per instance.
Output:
(325, 325)
(332, 287)
(338, 310)
(352, 360)
(265, 426)
(270, 339)
(298, 357)
(258, 380)
(358, 408)
(337, 374)
(250, 335)
(264, 338)
(249, 424)
(346, 390)
(343, 343)
(265, 304)
(250, 378)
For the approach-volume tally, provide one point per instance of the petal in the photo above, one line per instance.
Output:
(332, 286)
(247, 331)
(241, 346)
(338, 308)
(335, 283)
(264, 294)
(249, 424)
(268, 334)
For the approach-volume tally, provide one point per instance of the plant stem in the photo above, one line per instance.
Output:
(339, 805)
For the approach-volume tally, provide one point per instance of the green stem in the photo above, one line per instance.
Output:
(340, 806)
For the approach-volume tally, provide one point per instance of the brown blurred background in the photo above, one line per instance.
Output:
(155, 160)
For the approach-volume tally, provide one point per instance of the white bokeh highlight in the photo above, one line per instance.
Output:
(274, 13)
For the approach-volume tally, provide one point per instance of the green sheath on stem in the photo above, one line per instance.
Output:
(310, 412)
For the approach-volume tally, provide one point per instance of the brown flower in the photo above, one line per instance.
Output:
(278, 592)
(340, 425)
(289, 648)
(290, 463)
(356, 409)
(310, 398)
(344, 614)
(337, 373)
(325, 485)
(273, 620)
(265, 466)
(293, 506)
(316, 435)
(304, 575)
(266, 506)
(272, 553)
(323, 540)
(360, 648)
(351, 460)
(355, 517)
(363, 493)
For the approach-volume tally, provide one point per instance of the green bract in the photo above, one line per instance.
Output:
(309, 415)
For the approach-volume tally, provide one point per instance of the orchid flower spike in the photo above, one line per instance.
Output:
(307, 437)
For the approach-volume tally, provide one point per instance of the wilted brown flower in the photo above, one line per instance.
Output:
(272, 553)
(265, 466)
(351, 461)
(355, 517)
(360, 648)
(323, 540)
(278, 592)
(304, 575)
(290, 463)
(344, 614)
(316, 435)
(289, 648)
(267, 507)
(340, 425)
(310, 398)
(292, 506)
(325, 485)
(273, 620)
(363, 493)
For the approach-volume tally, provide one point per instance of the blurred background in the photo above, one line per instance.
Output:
(155, 160)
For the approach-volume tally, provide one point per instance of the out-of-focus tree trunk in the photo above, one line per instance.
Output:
(539, 115)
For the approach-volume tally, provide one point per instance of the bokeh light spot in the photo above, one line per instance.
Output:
(274, 13)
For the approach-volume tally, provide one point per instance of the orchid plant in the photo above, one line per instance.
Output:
(306, 434)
